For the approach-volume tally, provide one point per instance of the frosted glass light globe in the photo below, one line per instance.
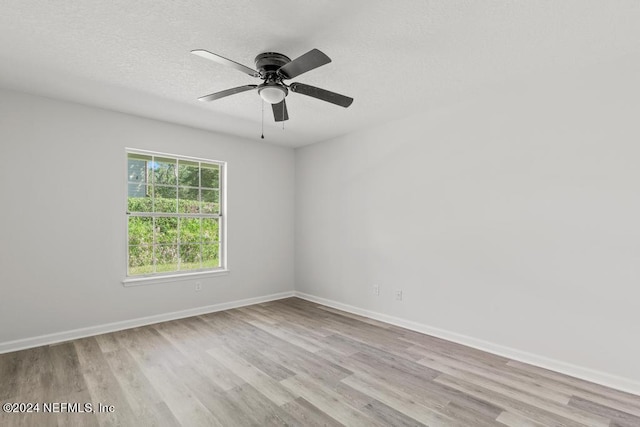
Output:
(272, 94)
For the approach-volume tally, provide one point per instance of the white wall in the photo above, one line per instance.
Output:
(513, 218)
(63, 225)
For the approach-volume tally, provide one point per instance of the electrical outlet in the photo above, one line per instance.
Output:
(198, 286)
(398, 295)
(376, 290)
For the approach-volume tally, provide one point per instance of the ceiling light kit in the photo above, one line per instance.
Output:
(273, 68)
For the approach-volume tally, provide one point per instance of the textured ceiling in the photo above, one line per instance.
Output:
(393, 57)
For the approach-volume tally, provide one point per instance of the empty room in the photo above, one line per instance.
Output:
(320, 213)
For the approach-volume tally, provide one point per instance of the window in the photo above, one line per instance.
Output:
(175, 221)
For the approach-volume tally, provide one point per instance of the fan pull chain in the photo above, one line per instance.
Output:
(262, 136)
(283, 114)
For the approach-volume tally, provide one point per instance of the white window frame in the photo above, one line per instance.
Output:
(165, 277)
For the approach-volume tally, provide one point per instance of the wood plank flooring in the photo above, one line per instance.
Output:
(292, 362)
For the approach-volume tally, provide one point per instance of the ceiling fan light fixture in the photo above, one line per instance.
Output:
(272, 94)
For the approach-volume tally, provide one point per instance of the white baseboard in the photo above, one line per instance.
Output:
(21, 344)
(598, 377)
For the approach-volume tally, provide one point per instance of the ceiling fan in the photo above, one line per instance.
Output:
(273, 68)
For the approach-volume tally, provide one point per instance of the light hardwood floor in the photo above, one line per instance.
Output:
(292, 362)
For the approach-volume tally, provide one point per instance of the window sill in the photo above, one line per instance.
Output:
(139, 281)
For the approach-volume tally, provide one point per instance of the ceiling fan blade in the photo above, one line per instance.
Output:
(280, 113)
(324, 95)
(227, 92)
(307, 62)
(224, 61)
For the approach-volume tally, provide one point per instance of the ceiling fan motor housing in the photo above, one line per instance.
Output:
(269, 62)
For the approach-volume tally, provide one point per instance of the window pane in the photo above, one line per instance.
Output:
(210, 257)
(210, 230)
(188, 173)
(190, 256)
(140, 260)
(166, 230)
(137, 168)
(188, 200)
(164, 171)
(190, 230)
(165, 199)
(140, 230)
(210, 176)
(166, 258)
(138, 201)
(138, 190)
(210, 201)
